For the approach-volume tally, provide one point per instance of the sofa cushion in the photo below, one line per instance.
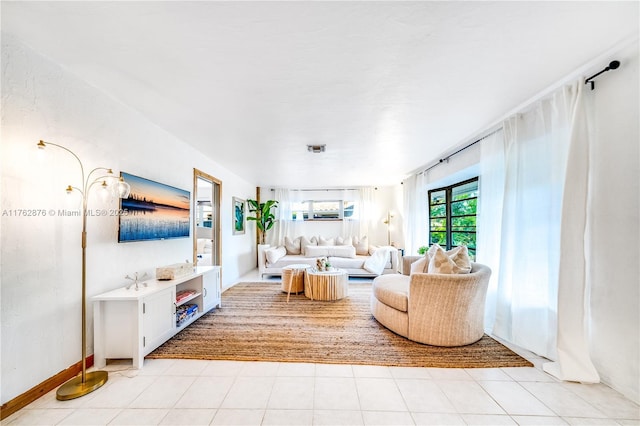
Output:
(275, 253)
(292, 259)
(392, 290)
(335, 251)
(293, 246)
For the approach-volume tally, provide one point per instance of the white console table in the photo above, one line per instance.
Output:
(130, 323)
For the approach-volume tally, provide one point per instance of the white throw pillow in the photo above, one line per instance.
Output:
(292, 246)
(330, 251)
(316, 251)
(304, 242)
(421, 265)
(326, 241)
(342, 251)
(344, 241)
(274, 254)
(442, 263)
(361, 245)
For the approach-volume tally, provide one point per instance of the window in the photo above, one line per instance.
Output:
(452, 215)
(322, 210)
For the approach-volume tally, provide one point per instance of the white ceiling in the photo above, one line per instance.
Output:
(387, 86)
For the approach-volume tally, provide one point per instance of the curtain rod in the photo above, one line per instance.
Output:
(321, 189)
(613, 65)
(442, 160)
(576, 74)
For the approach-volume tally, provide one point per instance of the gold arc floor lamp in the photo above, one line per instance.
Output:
(387, 222)
(86, 382)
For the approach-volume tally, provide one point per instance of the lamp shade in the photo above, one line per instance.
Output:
(124, 189)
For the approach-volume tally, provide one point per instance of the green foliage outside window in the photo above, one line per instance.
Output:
(452, 215)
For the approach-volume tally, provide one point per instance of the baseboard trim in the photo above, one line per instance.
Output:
(21, 401)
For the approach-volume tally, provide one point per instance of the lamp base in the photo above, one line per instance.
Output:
(74, 388)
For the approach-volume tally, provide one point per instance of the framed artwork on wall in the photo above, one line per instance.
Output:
(238, 216)
(153, 211)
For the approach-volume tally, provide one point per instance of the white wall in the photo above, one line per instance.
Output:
(615, 206)
(41, 255)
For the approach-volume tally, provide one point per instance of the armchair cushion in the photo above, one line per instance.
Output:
(393, 291)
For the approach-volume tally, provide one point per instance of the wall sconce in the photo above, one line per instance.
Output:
(387, 222)
(87, 382)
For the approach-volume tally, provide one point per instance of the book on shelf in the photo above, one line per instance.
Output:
(184, 294)
(185, 312)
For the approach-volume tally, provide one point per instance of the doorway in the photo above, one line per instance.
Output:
(206, 219)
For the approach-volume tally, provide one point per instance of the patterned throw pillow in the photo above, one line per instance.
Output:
(460, 256)
(455, 261)
(292, 246)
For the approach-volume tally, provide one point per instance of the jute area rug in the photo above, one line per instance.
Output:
(256, 323)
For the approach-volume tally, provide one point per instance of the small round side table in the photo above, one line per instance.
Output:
(293, 278)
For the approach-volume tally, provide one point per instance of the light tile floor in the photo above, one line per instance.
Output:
(188, 392)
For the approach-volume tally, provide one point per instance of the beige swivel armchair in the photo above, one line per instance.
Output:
(435, 309)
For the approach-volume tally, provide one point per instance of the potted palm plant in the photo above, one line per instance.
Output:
(264, 217)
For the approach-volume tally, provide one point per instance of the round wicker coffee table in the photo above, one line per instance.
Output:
(326, 285)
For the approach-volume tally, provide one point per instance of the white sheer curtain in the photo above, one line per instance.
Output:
(573, 361)
(539, 292)
(489, 213)
(416, 217)
(285, 226)
(365, 206)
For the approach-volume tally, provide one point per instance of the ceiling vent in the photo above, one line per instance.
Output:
(316, 149)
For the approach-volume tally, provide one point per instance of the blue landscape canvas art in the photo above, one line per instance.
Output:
(153, 211)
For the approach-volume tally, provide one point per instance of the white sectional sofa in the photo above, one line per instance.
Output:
(353, 255)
